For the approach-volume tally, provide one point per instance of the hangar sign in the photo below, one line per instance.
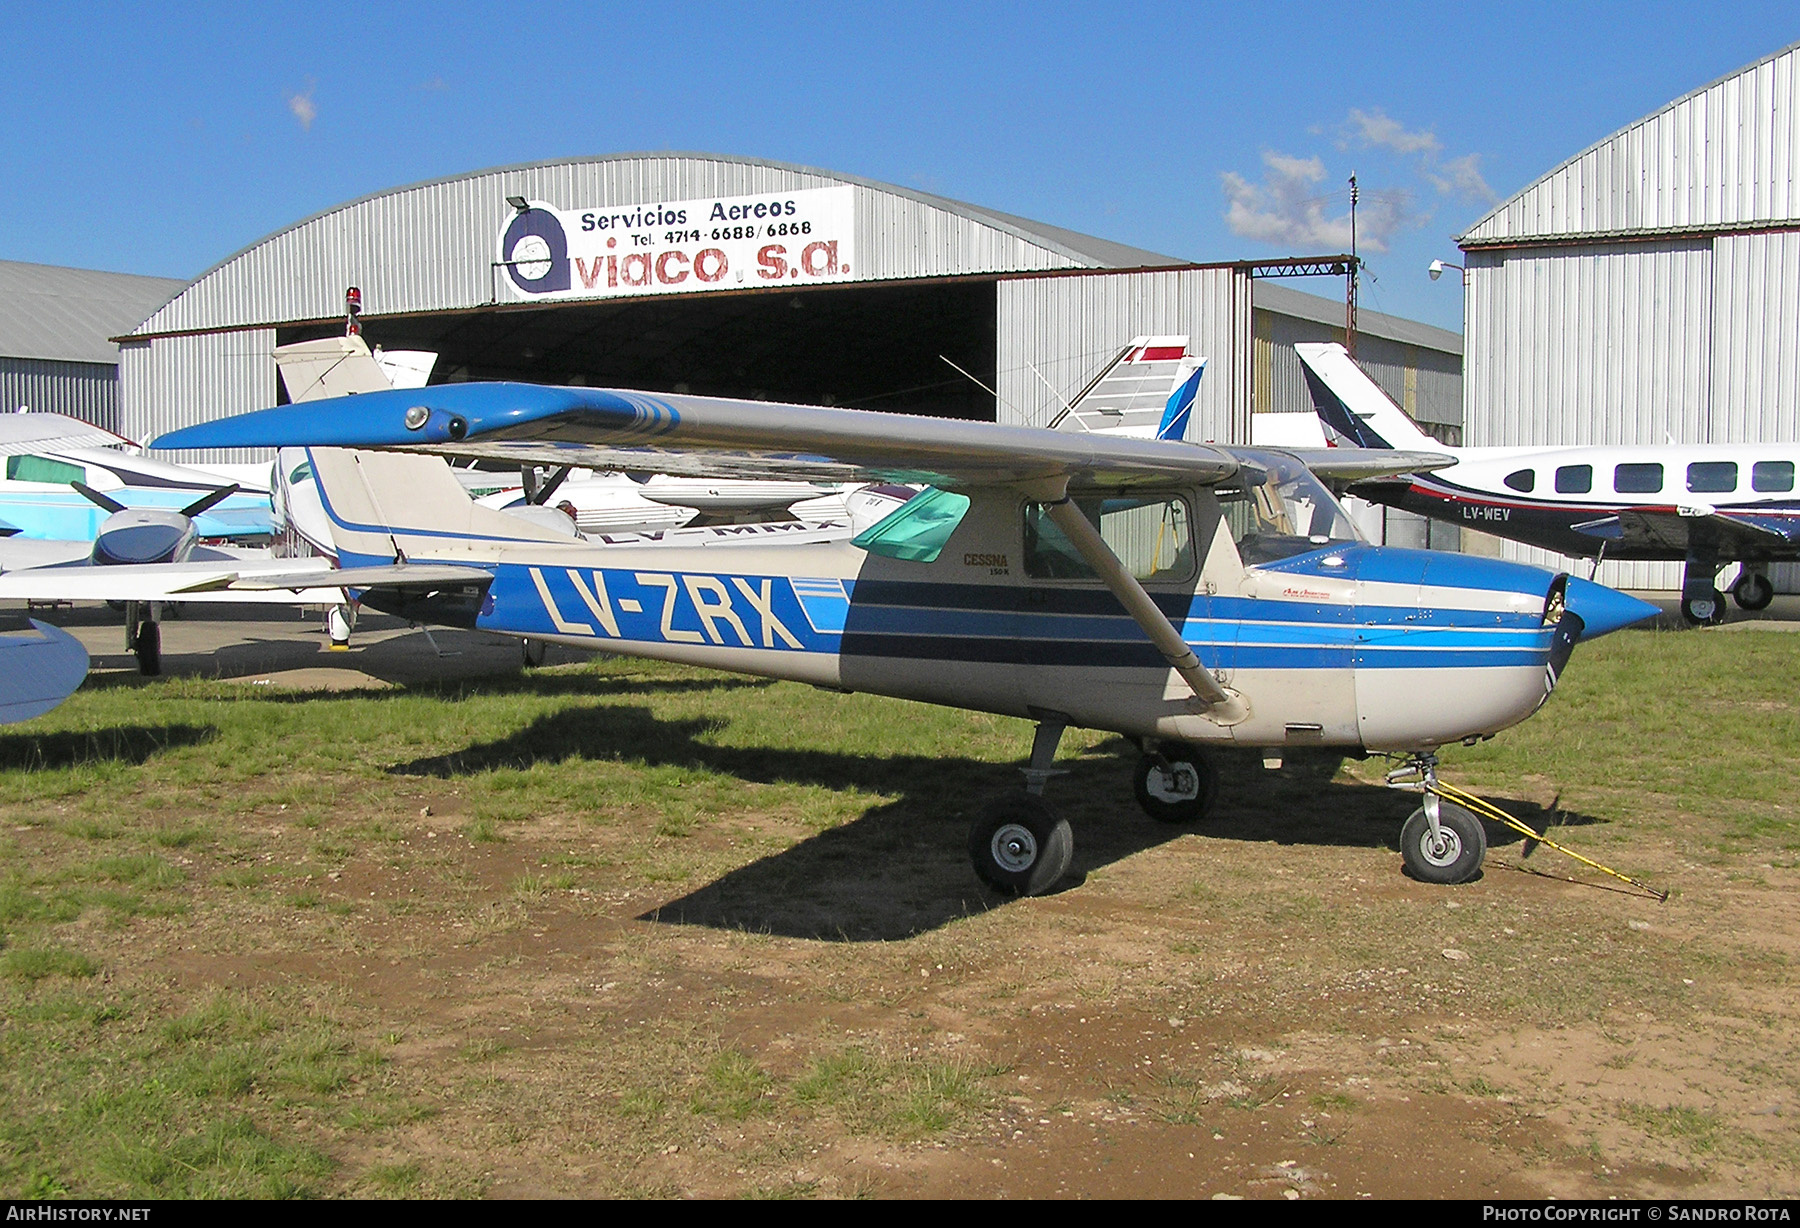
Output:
(680, 247)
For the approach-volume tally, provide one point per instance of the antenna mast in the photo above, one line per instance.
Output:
(1350, 280)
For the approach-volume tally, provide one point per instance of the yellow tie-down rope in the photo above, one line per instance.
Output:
(1469, 802)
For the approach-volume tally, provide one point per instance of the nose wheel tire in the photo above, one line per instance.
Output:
(1753, 591)
(1703, 609)
(1021, 845)
(1178, 786)
(1453, 855)
(146, 645)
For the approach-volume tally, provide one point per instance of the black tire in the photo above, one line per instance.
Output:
(1456, 857)
(1753, 591)
(532, 651)
(146, 645)
(1703, 611)
(1181, 788)
(1021, 846)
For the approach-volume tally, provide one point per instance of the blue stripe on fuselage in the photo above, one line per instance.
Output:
(926, 621)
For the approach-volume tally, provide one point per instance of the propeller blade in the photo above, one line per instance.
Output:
(96, 498)
(205, 502)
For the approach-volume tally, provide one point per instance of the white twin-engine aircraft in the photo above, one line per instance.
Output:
(1702, 504)
(1179, 594)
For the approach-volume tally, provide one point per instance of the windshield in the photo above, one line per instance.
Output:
(1276, 508)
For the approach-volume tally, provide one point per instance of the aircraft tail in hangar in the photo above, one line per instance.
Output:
(1353, 407)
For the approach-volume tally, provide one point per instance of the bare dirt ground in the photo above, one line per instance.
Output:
(1264, 1007)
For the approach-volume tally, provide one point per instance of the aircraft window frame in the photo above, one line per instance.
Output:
(1772, 477)
(917, 530)
(1522, 480)
(1574, 479)
(1638, 478)
(1046, 554)
(1715, 471)
(28, 468)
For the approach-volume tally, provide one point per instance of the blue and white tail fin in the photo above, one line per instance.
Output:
(1146, 392)
(1180, 406)
(1353, 407)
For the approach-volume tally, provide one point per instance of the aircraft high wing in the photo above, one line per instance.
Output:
(1182, 595)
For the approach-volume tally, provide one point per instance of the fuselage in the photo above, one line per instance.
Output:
(1542, 496)
(1332, 642)
(36, 498)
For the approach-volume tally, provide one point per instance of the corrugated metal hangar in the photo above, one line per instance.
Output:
(56, 328)
(731, 276)
(1648, 289)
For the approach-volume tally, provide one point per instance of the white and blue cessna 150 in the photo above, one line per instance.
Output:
(1179, 594)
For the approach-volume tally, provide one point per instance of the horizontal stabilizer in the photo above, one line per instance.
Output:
(396, 575)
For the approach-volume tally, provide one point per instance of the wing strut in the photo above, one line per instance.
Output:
(1226, 707)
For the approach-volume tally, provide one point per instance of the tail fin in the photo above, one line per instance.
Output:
(341, 366)
(1146, 391)
(1353, 406)
(1180, 406)
(385, 507)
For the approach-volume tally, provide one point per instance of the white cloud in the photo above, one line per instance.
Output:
(302, 107)
(1374, 129)
(1287, 209)
(1462, 177)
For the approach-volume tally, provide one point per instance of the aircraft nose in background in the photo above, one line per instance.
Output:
(1603, 609)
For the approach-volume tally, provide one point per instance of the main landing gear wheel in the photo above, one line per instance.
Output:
(1753, 591)
(146, 645)
(1021, 845)
(1177, 786)
(532, 651)
(1454, 855)
(1702, 609)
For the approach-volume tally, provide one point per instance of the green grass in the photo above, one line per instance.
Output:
(161, 840)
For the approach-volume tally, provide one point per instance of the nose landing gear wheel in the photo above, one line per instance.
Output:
(1453, 855)
(146, 645)
(1753, 591)
(1178, 786)
(1021, 846)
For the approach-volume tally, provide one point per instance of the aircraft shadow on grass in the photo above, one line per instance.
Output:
(129, 744)
(902, 867)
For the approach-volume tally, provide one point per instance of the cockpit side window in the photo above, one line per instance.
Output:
(1153, 535)
(1522, 480)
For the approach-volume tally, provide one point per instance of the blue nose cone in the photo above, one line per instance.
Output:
(1603, 609)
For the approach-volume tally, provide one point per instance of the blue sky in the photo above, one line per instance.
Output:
(161, 144)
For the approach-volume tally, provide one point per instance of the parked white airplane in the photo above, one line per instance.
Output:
(1703, 504)
(47, 454)
(1176, 593)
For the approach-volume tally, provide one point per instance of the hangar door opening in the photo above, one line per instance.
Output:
(863, 346)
